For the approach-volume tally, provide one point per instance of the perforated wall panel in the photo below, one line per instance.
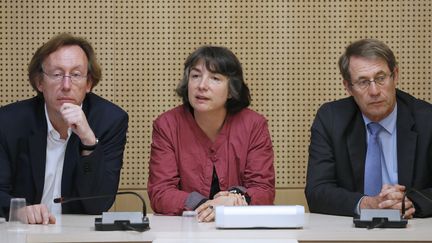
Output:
(289, 51)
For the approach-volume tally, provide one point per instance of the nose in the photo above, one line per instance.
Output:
(203, 83)
(373, 89)
(66, 83)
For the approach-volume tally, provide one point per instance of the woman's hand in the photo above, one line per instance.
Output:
(206, 212)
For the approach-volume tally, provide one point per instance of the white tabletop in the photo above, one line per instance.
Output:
(318, 227)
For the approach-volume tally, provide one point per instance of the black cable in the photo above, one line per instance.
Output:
(377, 223)
(126, 225)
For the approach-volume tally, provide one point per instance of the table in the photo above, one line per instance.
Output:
(318, 228)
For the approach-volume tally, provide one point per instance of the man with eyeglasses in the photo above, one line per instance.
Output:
(64, 142)
(368, 150)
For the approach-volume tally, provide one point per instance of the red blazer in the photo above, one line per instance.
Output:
(182, 159)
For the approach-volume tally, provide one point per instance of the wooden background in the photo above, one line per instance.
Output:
(288, 49)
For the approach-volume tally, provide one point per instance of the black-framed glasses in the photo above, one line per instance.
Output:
(58, 77)
(379, 80)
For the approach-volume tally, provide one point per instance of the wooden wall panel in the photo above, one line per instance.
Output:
(288, 49)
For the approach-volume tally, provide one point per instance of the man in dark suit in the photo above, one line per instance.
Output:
(66, 141)
(340, 177)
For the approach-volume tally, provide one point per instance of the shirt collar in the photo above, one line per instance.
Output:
(51, 130)
(388, 123)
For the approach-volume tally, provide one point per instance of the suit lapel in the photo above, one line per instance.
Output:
(356, 150)
(70, 161)
(406, 144)
(37, 153)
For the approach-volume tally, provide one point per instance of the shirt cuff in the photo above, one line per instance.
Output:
(193, 200)
(357, 209)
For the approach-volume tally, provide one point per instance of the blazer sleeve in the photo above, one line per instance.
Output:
(5, 179)
(420, 191)
(164, 178)
(259, 174)
(324, 190)
(99, 172)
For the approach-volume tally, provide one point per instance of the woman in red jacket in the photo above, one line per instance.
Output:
(212, 150)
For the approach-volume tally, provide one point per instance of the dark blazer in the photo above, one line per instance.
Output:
(337, 154)
(23, 140)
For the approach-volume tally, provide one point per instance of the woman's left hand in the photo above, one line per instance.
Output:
(206, 212)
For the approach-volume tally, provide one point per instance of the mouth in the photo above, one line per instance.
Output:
(66, 100)
(376, 103)
(201, 98)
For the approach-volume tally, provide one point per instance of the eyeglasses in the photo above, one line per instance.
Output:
(380, 80)
(58, 77)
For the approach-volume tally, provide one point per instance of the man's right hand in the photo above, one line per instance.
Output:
(39, 214)
(390, 197)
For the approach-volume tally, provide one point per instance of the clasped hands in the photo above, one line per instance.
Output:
(206, 212)
(390, 197)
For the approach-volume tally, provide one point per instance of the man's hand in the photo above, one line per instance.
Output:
(206, 211)
(75, 118)
(39, 214)
(390, 197)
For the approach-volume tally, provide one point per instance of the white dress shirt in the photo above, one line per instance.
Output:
(55, 153)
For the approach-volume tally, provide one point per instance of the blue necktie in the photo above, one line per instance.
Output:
(373, 175)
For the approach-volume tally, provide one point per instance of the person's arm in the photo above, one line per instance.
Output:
(98, 172)
(259, 174)
(422, 200)
(323, 192)
(36, 214)
(5, 179)
(164, 179)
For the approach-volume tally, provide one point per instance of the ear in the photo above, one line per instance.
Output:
(39, 85)
(348, 87)
(89, 85)
(396, 75)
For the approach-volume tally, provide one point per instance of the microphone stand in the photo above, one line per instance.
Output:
(111, 221)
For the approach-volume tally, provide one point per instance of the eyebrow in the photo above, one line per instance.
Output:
(376, 74)
(195, 69)
(55, 67)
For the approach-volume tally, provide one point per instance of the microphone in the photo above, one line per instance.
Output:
(116, 220)
(71, 199)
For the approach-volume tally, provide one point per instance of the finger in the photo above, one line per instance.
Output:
(388, 203)
(385, 192)
(210, 217)
(409, 214)
(398, 206)
(66, 106)
(30, 215)
(408, 204)
(52, 219)
(244, 201)
(386, 187)
(221, 193)
(236, 201)
(37, 214)
(400, 187)
(397, 195)
(239, 200)
(201, 208)
(44, 214)
(205, 213)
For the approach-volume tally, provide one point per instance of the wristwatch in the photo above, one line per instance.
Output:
(89, 147)
(240, 192)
